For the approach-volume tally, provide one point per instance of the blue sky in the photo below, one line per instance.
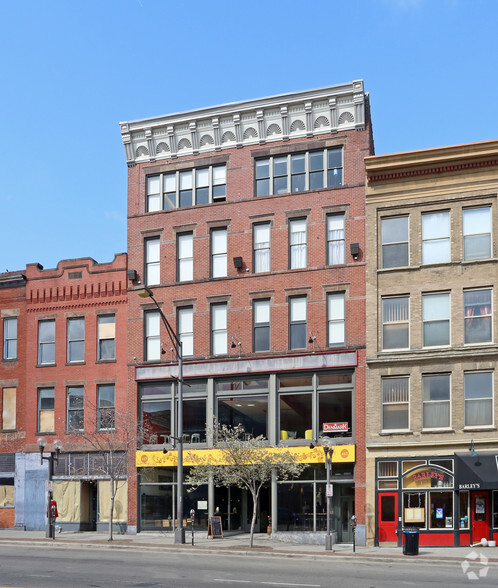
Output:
(72, 70)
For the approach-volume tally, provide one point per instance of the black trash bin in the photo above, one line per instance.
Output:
(410, 546)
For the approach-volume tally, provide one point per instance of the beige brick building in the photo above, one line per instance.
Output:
(432, 344)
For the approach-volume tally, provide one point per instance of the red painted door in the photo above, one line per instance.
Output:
(388, 517)
(480, 516)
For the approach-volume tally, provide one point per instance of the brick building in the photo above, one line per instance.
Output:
(431, 344)
(247, 222)
(69, 371)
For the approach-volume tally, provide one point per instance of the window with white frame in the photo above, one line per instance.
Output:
(46, 407)
(75, 408)
(335, 239)
(297, 322)
(261, 325)
(478, 313)
(395, 322)
(46, 342)
(261, 245)
(436, 237)
(477, 233)
(106, 335)
(219, 253)
(219, 330)
(395, 403)
(478, 399)
(192, 187)
(297, 243)
(299, 172)
(152, 335)
(75, 340)
(185, 253)
(10, 337)
(106, 410)
(436, 319)
(436, 401)
(336, 318)
(394, 241)
(186, 330)
(152, 261)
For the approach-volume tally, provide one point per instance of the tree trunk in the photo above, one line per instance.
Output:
(254, 512)
(113, 493)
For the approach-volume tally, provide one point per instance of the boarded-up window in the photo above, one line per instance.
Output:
(67, 496)
(46, 419)
(6, 492)
(120, 512)
(9, 409)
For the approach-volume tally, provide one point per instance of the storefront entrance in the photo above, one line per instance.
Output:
(347, 511)
(235, 507)
(480, 516)
(388, 514)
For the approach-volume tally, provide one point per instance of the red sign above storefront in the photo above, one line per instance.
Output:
(335, 427)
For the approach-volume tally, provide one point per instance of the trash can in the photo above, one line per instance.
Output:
(410, 546)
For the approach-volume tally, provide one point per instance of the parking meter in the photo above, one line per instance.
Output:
(353, 527)
(192, 518)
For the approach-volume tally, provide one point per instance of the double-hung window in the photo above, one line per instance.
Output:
(311, 170)
(336, 318)
(75, 340)
(394, 241)
(152, 335)
(185, 252)
(335, 239)
(478, 399)
(46, 419)
(106, 406)
(186, 330)
(219, 253)
(106, 335)
(478, 314)
(297, 243)
(219, 330)
(261, 325)
(395, 403)
(297, 322)
(261, 245)
(152, 261)
(395, 322)
(477, 233)
(435, 237)
(436, 319)
(46, 342)
(75, 409)
(10, 337)
(436, 401)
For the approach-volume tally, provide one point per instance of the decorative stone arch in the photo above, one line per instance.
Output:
(297, 125)
(250, 133)
(141, 151)
(184, 144)
(346, 117)
(228, 137)
(162, 147)
(273, 129)
(206, 140)
(321, 121)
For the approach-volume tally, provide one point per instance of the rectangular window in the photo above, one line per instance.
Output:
(395, 396)
(75, 411)
(295, 408)
(441, 510)
(478, 399)
(218, 253)
(395, 322)
(336, 318)
(106, 335)
(478, 314)
(261, 245)
(152, 261)
(10, 337)
(335, 239)
(105, 406)
(185, 255)
(261, 325)
(299, 172)
(477, 233)
(219, 330)
(75, 340)
(186, 188)
(8, 409)
(436, 237)
(46, 342)
(394, 241)
(436, 319)
(297, 243)
(46, 418)
(186, 330)
(436, 401)
(297, 322)
(152, 335)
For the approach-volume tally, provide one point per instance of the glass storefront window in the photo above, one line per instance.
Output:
(249, 411)
(427, 477)
(334, 379)
(194, 420)
(295, 382)
(242, 385)
(414, 509)
(156, 420)
(229, 506)
(156, 508)
(295, 507)
(465, 510)
(335, 414)
(295, 416)
(441, 509)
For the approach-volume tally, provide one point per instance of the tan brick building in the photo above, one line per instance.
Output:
(432, 285)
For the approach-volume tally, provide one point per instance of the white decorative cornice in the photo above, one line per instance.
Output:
(264, 120)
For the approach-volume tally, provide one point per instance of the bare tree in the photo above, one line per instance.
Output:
(246, 462)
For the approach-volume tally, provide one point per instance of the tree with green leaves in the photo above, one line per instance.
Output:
(244, 461)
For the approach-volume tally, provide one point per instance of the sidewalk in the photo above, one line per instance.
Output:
(264, 546)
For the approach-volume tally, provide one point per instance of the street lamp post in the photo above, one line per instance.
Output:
(329, 451)
(52, 457)
(177, 344)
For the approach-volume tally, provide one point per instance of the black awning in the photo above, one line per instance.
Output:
(476, 472)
